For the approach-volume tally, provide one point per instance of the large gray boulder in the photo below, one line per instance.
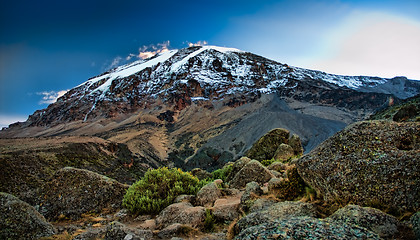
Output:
(253, 171)
(73, 192)
(208, 194)
(305, 228)
(369, 163)
(19, 220)
(275, 212)
(182, 213)
(119, 231)
(386, 226)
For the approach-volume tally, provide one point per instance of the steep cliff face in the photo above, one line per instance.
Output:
(203, 106)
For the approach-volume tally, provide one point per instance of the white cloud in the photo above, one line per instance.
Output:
(151, 50)
(51, 96)
(199, 43)
(6, 120)
(377, 44)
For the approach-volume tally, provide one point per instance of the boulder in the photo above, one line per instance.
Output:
(296, 144)
(118, 231)
(237, 166)
(284, 152)
(275, 212)
(174, 230)
(185, 198)
(183, 213)
(289, 188)
(267, 145)
(369, 163)
(19, 220)
(252, 171)
(305, 228)
(415, 222)
(252, 192)
(208, 194)
(386, 226)
(277, 166)
(227, 209)
(261, 204)
(73, 192)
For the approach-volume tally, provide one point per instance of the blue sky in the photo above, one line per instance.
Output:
(47, 47)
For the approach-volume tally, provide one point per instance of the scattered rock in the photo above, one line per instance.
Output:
(275, 212)
(252, 192)
(305, 228)
(370, 163)
(288, 188)
(91, 233)
(252, 171)
(118, 231)
(73, 192)
(277, 174)
(267, 145)
(19, 220)
(183, 213)
(227, 209)
(277, 166)
(284, 152)
(296, 144)
(386, 226)
(174, 230)
(208, 194)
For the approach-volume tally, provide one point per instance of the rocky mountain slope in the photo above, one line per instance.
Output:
(204, 106)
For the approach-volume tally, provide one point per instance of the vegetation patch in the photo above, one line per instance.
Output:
(158, 189)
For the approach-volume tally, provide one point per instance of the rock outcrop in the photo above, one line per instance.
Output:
(305, 228)
(19, 220)
(73, 192)
(252, 171)
(181, 213)
(386, 226)
(370, 163)
(266, 147)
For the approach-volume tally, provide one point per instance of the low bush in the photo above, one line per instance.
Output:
(222, 173)
(158, 189)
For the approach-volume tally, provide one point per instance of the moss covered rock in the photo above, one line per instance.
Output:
(288, 188)
(305, 228)
(253, 171)
(370, 163)
(267, 145)
(73, 192)
(284, 152)
(19, 220)
(386, 226)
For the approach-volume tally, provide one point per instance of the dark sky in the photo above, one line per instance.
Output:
(51, 46)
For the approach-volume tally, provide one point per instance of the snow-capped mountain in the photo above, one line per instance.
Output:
(204, 106)
(205, 73)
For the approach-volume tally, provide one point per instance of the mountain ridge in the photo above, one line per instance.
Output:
(204, 106)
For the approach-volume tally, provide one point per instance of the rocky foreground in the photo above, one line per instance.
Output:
(362, 183)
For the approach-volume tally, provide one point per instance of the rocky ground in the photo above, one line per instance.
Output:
(362, 183)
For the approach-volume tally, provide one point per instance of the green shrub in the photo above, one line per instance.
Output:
(268, 162)
(158, 188)
(209, 221)
(222, 173)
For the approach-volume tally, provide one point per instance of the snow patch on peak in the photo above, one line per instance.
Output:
(128, 70)
(178, 64)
